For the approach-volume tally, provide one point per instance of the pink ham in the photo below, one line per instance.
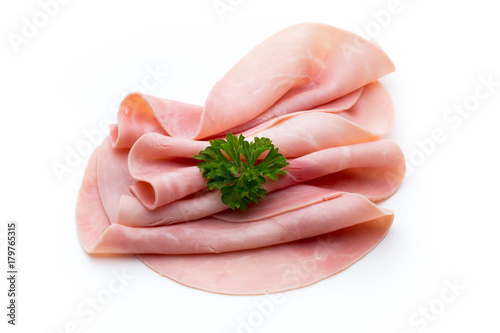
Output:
(164, 178)
(320, 104)
(263, 270)
(212, 235)
(274, 268)
(91, 219)
(307, 77)
(374, 169)
(303, 79)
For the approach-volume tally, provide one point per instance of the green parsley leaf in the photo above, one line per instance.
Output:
(230, 166)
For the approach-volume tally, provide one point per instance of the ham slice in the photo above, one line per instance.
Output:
(374, 169)
(263, 81)
(158, 161)
(91, 219)
(213, 235)
(275, 268)
(259, 270)
(143, 193)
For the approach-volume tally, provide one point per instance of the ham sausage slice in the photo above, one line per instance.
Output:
(296, 69)
(274, 268)
(322, 106)
(249, 272)
(158, 161)
(212, 235)
(374, 169)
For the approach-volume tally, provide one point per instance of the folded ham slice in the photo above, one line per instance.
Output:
(296, 134)
(143, 193)
(373, 169)
(274, 268)
(258, 270)
(298, 68)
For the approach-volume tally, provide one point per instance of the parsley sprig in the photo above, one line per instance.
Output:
(230, 165)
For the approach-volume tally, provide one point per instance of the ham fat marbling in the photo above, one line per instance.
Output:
(320, 103)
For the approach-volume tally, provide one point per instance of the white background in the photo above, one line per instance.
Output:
(68, 76)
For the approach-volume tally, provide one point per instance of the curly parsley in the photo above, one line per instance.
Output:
(230, 165)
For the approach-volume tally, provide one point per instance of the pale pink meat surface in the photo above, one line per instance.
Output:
(274, 268)
(260, 270)
(298, 68)
(374, 169)
(296, 134)
(313, 90)
(213, 235)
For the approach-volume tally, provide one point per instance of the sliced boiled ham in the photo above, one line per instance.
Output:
(324, 109)
(259, 270)
(274, 268)
(296, 134)
(298, 68)
(374, 169)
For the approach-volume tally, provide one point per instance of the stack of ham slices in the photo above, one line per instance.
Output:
(313, 90)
